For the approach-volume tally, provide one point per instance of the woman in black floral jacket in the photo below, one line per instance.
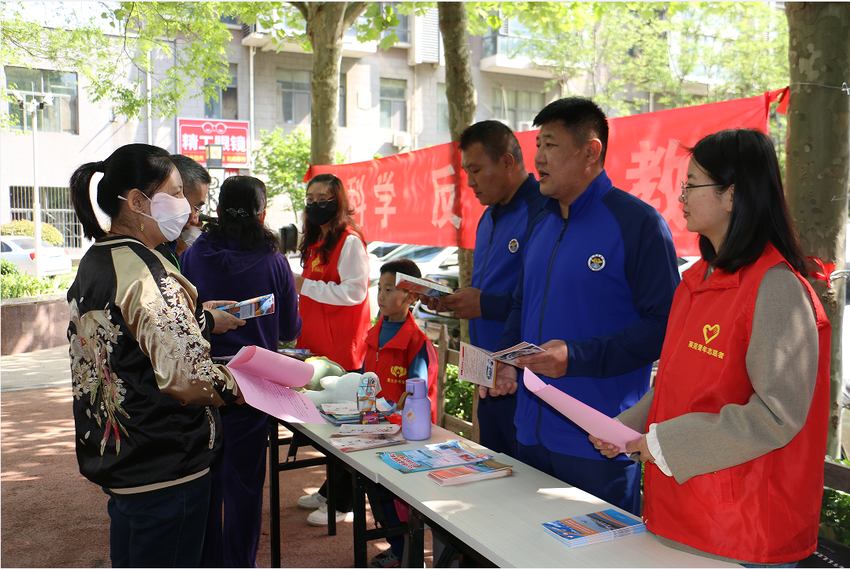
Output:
(145, 389)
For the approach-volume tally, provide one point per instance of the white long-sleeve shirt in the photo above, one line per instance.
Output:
(353, 268)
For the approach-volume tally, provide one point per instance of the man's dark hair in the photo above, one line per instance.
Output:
(496, 138)
(192, 173)
(403, 266)
(580, 117)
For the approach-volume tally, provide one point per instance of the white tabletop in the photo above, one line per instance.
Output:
(501, 518)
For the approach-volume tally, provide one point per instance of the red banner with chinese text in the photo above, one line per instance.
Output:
(421, 197)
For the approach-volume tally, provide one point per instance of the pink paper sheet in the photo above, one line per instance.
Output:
(264, 376)
(594, 422)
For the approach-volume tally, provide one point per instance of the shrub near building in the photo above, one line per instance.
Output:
(49, 234)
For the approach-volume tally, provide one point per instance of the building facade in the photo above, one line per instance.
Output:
(391, 101)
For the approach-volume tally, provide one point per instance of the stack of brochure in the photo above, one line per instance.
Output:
(595, 527)
(432, 457)
(470, 473)
(340, 413)
(359, 437)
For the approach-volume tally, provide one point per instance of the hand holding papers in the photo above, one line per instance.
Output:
(594, 422)
(264, 378)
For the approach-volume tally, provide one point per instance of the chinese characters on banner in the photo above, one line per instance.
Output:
(421, 197)
(193, 136)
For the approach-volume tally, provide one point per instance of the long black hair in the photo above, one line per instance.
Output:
(241, 201)
(343, 219)
(747, 159)
(131, 166)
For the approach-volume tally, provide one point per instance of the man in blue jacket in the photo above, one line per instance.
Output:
(492, 160)
(599, 272)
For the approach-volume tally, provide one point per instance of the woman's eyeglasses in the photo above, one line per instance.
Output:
(321, 203)
(686, 188)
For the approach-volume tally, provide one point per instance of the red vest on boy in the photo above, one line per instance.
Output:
(391, 363)
(330, 330)
(767, 509)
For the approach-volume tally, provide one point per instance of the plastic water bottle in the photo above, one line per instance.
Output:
(416, 415)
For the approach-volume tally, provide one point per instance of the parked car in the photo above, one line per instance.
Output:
(378, 249)
(20, 250)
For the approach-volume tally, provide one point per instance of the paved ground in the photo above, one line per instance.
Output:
(53, 517)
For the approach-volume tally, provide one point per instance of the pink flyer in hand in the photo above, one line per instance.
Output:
(264, 378)
(594, 422)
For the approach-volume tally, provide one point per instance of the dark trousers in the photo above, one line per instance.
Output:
(236, 502)
(496, 423)
(615, 481)
(165, 530)
(343, 490)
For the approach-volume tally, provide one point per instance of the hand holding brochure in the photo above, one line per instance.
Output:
(479, 366)
(264, 378)
(252, 307)
(442, 455)
(594, 422)
(595, 527)
(421, 286)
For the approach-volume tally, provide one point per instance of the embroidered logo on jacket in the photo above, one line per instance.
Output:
(513, 245)
(596, 262)
(709, 333)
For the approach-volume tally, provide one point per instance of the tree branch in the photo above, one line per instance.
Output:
(301, 7)
(352, 12)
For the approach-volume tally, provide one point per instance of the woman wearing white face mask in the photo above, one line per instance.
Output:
(145, 390)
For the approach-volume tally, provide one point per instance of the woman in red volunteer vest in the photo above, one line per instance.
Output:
(335, 279)
(333, 305)
(735, 427)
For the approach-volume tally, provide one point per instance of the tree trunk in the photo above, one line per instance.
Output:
(816, 168)
(462, 100)
(324, 28)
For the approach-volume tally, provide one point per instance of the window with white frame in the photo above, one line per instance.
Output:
(60, 116)
(442, 109)
(293, 91)
(393, 104)
(402, 30)
(227, 105)
(516, 106)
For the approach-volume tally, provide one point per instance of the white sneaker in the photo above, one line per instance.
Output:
(320, 516)
(311, 501)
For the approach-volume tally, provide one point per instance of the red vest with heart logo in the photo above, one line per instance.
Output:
(765, 510)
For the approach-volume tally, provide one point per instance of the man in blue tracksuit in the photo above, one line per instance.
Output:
(599, 272)
(495, 172)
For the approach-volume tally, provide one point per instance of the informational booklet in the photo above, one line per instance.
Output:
(442, 455)
(470, 473)
(359, 437)
(591, 420)
(595, 527)
(340, 413)
(252, 307)
(479, 366)
(264, 379)
(422, 286)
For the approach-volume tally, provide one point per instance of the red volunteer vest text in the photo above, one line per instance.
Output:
(765, 510)
(330, 330)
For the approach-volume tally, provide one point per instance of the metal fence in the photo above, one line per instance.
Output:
(56, 210)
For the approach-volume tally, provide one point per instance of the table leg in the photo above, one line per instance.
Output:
(274, 493)
(330, 472)
(359, 493)
(415, 538)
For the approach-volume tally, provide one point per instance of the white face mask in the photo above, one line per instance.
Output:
(170, 213)
(190, 235)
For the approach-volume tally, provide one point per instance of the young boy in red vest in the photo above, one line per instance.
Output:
(396, 349)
